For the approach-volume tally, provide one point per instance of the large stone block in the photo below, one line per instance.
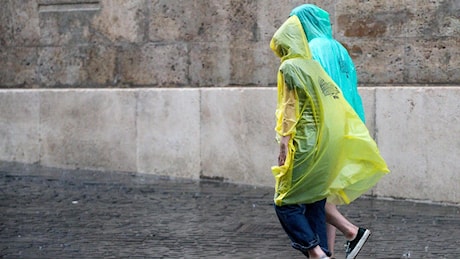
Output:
(101, 65)
(58, 66)
(168, 130)
(272, 14)
(379, 19)
(237, 134)
(242, 22)
(65, 26)
(193, 21)
(433, 60)
(19, 126)
(416, 40)
(253, 64)
(231, 63)
(265, 66)
(88, 129)
(77, 66)
(418, 136)
(122, 21)
(209, 64)
(18, 67)
(19, 23)
(377, 62)
(368, 98)
(24, 22)
(155, 64)
(434, 19)
(6, 21)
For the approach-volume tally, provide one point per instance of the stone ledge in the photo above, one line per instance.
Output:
(224, 133)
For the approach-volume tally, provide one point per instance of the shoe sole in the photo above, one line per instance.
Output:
(360, 245)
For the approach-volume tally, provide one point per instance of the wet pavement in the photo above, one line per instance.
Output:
(55, 213)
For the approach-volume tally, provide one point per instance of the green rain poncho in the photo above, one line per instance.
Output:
(331, 154)
(332, 56)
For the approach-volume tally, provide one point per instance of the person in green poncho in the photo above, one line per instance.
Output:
(336, 61)
(325, 149)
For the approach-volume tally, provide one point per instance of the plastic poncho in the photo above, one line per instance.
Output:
(331, 154)
(330, 53)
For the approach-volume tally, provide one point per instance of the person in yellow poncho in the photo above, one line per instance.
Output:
(325, 149)
(336, 61)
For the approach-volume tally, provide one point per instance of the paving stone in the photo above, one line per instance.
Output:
(55, 213)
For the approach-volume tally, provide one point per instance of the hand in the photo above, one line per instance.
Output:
(283, 150)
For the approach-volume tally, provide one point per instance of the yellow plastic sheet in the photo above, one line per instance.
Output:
(331, 154)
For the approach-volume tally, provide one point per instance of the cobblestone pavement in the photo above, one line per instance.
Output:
(52, 213)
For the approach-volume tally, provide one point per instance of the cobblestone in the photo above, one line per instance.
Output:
(55, 213)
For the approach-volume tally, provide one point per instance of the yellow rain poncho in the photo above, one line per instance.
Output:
(331, 154)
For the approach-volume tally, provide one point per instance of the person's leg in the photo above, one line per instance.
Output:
(298, 229)
(335, 218)
(316, 215)
(331, 233)
(356, 236)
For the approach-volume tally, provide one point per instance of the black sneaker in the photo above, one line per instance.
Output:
(354, 246)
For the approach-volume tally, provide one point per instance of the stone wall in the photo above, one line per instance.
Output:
(186, 88)
(194, 43)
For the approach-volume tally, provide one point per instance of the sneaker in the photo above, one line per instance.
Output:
(354, 246)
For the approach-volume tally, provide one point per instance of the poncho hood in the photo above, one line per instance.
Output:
(315, 21)
(289, 41)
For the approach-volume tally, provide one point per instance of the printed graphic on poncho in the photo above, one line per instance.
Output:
(328, 88)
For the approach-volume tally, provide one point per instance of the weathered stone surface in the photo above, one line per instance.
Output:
(62, 66)
(122, 21)
(191, 21)
(417, 137)
(25, 22)
(19, 65)
(77, 66)
(209, 64)
(374, 19)
(100, 64)
(242, 22)
(368, 98)
(237, 136)
(56, 213)
(61, 28)
(422, 28)
(434, 19)
(155, 64)
(6, 25)
(223, 132)
(253, 63)
(88, 129)
(378, 61)
(19, 23)
(433, 60)
(387, 40)
(272, 14)
(19, 128)
(265, 66)
(168, 132)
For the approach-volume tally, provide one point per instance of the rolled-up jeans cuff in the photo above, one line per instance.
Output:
(303, 248)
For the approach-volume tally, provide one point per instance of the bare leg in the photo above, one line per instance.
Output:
(330, 229)
(316, 253)
(335, 218)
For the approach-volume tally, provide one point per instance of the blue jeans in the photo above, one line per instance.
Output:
(305, 224)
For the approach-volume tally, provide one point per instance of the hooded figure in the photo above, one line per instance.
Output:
(332, 56)
(331, 154)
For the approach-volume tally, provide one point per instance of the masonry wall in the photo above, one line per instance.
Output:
(187, 88)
